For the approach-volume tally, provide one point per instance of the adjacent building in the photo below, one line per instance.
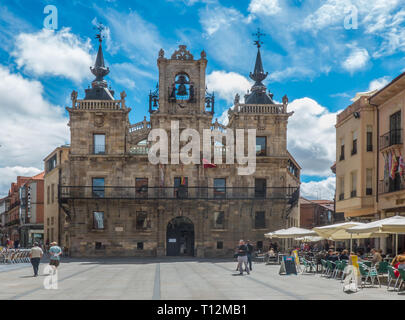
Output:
(54, 216)
(117, 202)
(316, 213)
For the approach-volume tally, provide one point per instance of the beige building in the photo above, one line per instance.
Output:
(54, 217)
(356, 149)
(390, 105)
(119, 203)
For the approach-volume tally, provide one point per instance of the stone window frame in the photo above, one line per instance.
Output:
(93, 221)
(93, 150)
(146, 220)
(264, 218)
(214, 227)
(222, 245)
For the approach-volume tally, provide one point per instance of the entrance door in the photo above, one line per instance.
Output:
(180, 237)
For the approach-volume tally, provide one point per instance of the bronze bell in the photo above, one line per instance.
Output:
(182, 90)
(209, 103)
(155, 102)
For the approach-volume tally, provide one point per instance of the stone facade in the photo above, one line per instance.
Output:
(180, 209)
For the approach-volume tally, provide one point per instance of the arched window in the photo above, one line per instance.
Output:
(182, 84)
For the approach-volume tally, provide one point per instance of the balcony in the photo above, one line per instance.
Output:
(341, 196)
(167, 193)
(388, 186)
(353, 194)
(391, 138)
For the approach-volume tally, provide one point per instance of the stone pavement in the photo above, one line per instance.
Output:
(173, 278)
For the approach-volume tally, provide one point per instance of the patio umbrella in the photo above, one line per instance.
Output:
(292, 232)
(310, 239)
(394, 225)
(338, 232)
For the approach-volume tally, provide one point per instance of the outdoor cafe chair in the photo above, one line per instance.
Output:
(325, 267)
(331, 268)
(392, 277)
(382, 267)
(367, 272)
(308, 266)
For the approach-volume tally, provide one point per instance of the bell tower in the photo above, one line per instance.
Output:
(181, 93)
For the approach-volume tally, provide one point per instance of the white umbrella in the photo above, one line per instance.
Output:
(393, 225)
(292, 232)
(309, 239)
(338, 232)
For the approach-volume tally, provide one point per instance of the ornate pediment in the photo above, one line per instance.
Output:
(182, 54)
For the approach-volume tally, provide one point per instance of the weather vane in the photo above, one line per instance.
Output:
(258, 34)
(100, 27)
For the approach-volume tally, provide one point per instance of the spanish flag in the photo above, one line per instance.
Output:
(183, 181)
(208, 164)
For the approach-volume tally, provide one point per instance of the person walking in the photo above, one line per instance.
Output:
(55, 251)
(249, 254)
(36, 254)
(242, 257)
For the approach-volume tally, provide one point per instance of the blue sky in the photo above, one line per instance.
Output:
(309, 51)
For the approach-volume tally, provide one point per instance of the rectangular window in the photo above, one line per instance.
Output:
(354, 147)
(369, 182)
(141, 187)
(99, 143)
(98, 188)
(260, 146)
(139, 245)
(52, 239)
(353, 192)
(180, 187)
(219, 188)
(341, 188)
(98, 220)
(220, 245)
(369, 138)
(260, 188)
(51, 164)
(141, 221)
(99, 246)
(260, 221)
(219, 220)
(53, 192)
(52, 220)
(48, 195)
(259, 245)
(342, 149)
(47, 221)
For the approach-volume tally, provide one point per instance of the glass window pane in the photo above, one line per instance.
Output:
(260, 146)
(219, 188)
(98, 187)
(98, 221)
(99, 143)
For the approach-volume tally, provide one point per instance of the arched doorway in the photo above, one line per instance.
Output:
(180, 237)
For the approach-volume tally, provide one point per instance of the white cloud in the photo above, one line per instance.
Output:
(264, 7)
(227, 84)
(9, 175)
(357, 60)
(312, 136)
(379, 83)
(317, 190)
(56, 53)
(126, 73)
(31, 126)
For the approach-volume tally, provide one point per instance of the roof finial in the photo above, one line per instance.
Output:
(100, 27)
(258, 34)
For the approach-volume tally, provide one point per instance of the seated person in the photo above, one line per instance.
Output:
(344, 255)
(271, 252)
(376, 256)
(401, 262)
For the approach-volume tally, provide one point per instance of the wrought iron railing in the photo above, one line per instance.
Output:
(391, 138)
(152, 193)
(390, 185)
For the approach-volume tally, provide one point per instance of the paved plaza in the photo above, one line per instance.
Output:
(173, 278)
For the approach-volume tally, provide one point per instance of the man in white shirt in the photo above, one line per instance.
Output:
(35, 256)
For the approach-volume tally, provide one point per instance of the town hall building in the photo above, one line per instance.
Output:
(117, 203)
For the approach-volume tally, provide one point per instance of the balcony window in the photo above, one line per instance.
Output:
(141, 221)
(98, 220)
(219, 188)
(260, 221)
(51, 164)
(260, 146)
(369, 138)
(141, 187)
(342, 150)
(354, 145)
(369, 182)
(181, 187)
(341, 196)
(260, 188)
(99, 143)
(98, 188)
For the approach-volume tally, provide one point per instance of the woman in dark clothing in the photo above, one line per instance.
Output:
(344, 255)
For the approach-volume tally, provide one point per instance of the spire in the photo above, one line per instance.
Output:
(99, 90)
(258, 74)
(258, 93)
